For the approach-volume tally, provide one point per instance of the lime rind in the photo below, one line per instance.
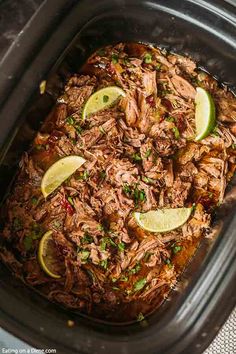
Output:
(59, 172)
(41, 255)
(205, 114)
(102, 99)
(162, 220)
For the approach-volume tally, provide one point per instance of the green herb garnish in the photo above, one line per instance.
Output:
(102, 174)
(124, 278)
(104, 263)
(148, 153)
(136, 157)
(148, 58)
(87, 238)
(114, 58)
(140, 317)
(121, 246)
(102, 130)
(168, 262)
(103, 244)
(70, 120)
(177, 249)
(57, 224)
(34, 200)
(17, 224)
(147, 179)
(28, 242)
(127, 189)
(170, 119)
(136, 269)
(84, 255)
(70, 200)
(140, 284)
(176, 132)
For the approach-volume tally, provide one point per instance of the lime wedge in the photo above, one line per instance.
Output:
(205, 116)
(47, 256)
(163, 220)
(59, 172)
(102, 99)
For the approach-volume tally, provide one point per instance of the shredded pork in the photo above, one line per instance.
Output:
(140, 155)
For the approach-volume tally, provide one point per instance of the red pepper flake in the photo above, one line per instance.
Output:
(180, 122)
(150, 100)
(167, 104)
(66, 205)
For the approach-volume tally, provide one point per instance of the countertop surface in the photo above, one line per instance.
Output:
(225, 341)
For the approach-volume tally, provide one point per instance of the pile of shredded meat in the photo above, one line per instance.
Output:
(140, 155)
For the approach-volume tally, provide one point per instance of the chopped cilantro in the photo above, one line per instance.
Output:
(148, 153)
(102, 130)
(84, 255)
(136, 269)
(36, 232)
(158, 66)
(17, 224)
(85, 175)
(126, 60)
(148, 180)
(34, 200)
(140, 317)
(103, 174)
(168, 262)
(27, 243)
(105, 98)
(112, 243)
(115, 288)
(114, 58)
(142, 195)
(176, 132)
(127, 189)
(70, 120)
(147, 256)
(78, 128)
(100, 227)
(70, 200)
(124, 278)
(104, 263)
(103, 244)
(121, 246)
(148, 58)
(170, 119)
(140, 284)
(139, 195)
(57, 224)
(233, 146)
(136, 157)
(113, 280)
(177, 249)
(87, 238)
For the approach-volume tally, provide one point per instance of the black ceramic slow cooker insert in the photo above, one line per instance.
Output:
(64, 33)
